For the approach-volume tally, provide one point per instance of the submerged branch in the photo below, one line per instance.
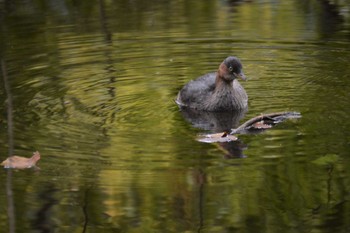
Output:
(265, 121)
(254, 125)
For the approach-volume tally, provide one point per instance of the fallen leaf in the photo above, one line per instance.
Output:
(20, 162)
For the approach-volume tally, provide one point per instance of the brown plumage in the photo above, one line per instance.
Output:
(216, 92)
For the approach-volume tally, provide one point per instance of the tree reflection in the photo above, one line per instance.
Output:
(9, 190)
(120, 132)
(43, 221)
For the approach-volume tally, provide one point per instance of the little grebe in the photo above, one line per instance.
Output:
(217, 91)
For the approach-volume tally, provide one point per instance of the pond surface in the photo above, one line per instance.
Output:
(93, 85)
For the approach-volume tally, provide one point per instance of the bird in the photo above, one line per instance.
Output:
(217, 91)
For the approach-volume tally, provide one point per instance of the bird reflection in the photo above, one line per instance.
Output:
(218, 122)
(226, 123)
(43, 219)
(213, 121)
(233, 149)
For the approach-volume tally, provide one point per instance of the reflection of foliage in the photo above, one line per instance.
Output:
(328, 159)
(102, 112)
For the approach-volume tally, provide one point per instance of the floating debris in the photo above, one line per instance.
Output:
(19, 162)
(254, 125)
(264, 121)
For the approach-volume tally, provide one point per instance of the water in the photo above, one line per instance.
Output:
(93, 84)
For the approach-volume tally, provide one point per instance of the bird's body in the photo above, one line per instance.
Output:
(216, 91)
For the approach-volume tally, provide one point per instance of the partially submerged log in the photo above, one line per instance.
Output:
(254, 125)
(264, 121)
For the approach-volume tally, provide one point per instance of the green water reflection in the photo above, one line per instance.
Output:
(93, 84)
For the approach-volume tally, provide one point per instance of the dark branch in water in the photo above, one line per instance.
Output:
(265, 121)
(254, 125)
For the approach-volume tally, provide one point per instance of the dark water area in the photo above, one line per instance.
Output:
(92, 86)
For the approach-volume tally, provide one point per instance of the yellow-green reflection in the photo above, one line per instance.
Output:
(94, 83)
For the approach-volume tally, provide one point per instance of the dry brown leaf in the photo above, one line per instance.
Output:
(20, 162)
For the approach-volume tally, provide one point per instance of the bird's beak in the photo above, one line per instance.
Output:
(241, 75)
